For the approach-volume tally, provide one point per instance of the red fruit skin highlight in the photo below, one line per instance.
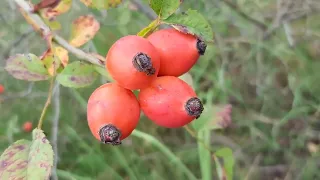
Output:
(178, 51)
(114, 105)
(1, 89)
(119, 62)
(164, 102)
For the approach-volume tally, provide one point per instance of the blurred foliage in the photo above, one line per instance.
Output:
(272, 83)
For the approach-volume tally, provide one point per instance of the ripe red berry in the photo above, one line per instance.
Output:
(170, 102)
(133, 62)
(113, 112)
(179, 51)
(1, 88)
(27, 126)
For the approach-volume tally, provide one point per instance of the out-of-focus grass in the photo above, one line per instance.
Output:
(273, 87)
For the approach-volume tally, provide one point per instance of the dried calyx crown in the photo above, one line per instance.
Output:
(194, 107)
(109, 134)
(201, 46)
(142, 62)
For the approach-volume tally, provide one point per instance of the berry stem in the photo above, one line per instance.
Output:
(44, 110)
(149, 29)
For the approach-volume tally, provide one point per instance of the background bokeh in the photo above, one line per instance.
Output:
(265, 62)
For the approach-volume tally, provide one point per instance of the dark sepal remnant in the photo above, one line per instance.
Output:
(142, 62)
(109, 134)
(201, 46)
(194, 107)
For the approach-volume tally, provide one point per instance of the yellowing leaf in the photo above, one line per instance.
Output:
(84, 28)
(86, 2)
(63, 7)
(49, 59)
(101, 4)
(62, 54)
(51, 62)
(49, 14)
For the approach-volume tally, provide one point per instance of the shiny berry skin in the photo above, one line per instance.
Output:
(133, 62)
(27, 126)
(179, 51)
(170, 102)
(1, 88)
(113, 112)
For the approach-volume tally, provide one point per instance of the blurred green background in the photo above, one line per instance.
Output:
(265, 62)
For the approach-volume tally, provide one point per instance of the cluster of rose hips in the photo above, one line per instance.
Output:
(151, 65)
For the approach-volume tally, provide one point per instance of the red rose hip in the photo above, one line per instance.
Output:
(27, 126)
(133, 62)
(170, 102)
(1, 88)
(113, 112)
(178, 51)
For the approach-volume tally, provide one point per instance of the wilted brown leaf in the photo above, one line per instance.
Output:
(84, 28)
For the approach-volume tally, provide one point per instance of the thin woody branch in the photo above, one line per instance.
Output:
(38, 23)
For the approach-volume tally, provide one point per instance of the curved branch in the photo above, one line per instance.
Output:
(38, 22)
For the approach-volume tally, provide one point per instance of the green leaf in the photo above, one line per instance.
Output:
(191, 22)
(164, 8)
(77, 74)
(149, 29)
(40, 156)
(27, 160)
(102, 71)
(14, 160)
(225, 162)
(27, 67)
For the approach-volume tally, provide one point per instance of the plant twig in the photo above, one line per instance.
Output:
(257, 23)
(55, 129)
(38, 22)
(145, 9)
(47, 104)
(16, 42)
